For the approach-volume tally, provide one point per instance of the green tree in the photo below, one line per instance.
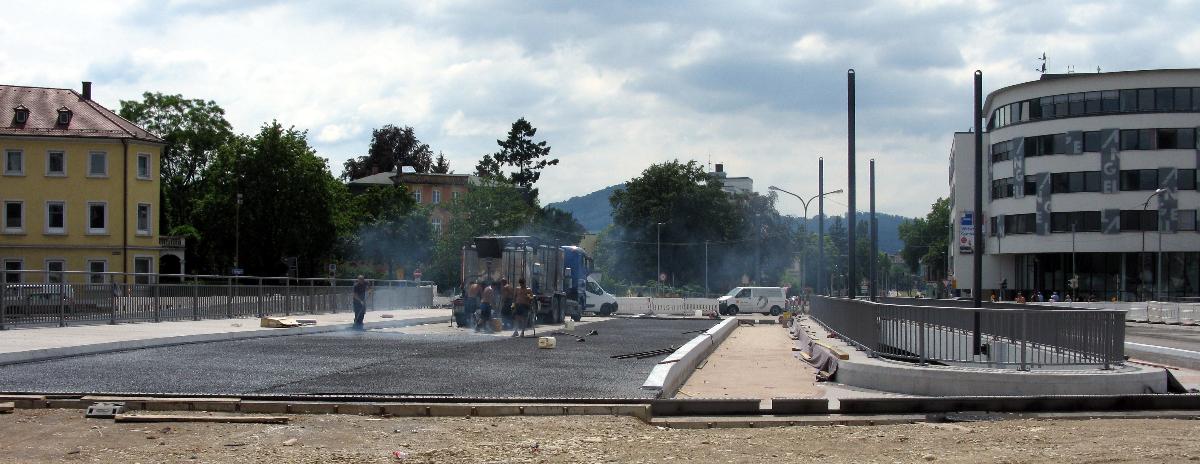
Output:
(557, 226)
(391, 148)
(193, 130)
(291, 204)
(693, 209)
(441, 165)
(927, 239)
(391, 229)
(494, 207)
(520, 152)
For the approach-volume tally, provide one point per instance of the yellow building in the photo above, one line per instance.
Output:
(79, 189)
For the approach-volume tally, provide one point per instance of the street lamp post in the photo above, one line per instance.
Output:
(1145, 205)
(658, 273)
(237, 232)
(805, 203)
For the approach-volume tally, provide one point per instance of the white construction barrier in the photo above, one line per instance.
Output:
(665, 306)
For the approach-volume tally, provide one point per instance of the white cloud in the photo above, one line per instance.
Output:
(612, 89)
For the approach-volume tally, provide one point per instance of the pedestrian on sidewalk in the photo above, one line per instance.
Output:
(360, 301)
(523, 298)
(485, 309)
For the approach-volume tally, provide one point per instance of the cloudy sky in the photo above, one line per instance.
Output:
(612, 86)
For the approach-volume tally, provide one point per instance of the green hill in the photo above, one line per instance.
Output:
(593, 210)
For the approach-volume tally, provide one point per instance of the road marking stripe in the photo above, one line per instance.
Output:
(1142, 345)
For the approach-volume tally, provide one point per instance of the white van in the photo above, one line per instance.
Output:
(598, 300)
(766, 300)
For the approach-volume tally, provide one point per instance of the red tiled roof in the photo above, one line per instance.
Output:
(88, 118)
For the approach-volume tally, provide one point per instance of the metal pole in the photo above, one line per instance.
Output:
(874, 238)
(658, 267)
(156, 282)
(706, 268)
(1074, 270)
(3, 302)
(1158, 278)
(820, 227)
(237, 233)
(851, 216)
(977, 263)
(196, 298)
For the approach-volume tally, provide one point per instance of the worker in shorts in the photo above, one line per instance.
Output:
(485, 309)
(506, 303)
(523, 299)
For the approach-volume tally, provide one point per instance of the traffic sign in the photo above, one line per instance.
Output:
(237, 271)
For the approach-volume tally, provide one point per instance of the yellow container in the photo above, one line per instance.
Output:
(547, 343)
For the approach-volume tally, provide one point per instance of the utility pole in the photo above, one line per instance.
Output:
(237, 233)
(977, 265)
(874, 238)
(821, 227)
(850, 213)
(658, 266)
(706, 268)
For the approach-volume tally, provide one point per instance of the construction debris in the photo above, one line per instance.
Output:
(547, 343)
(644, 354)
(7, 408)
(104, 410)
(272, 322)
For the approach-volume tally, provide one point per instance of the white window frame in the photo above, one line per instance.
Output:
(87, 212)
(148, 174)
(437, 224)
(91, 164)
(61, 273)
(63, 172)
(417, 196)
(55, 230)
(6, 271)
(20, 171)
(8, 229)
(92, 274)
(149, 219)
(454, 195)
(437, 196)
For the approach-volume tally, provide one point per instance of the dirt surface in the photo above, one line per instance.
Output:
(754, 362)
(65, 436)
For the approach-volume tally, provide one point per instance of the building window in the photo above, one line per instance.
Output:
(1139, 220)
(142, 266)
(64, 116)
(56, 217)
(14, 163)
(12, 268)
(417, 196)
(97, 164)
(454, 195)
(97, 217)
(143, 166)
(1187, 179)
(437, 225)
(21, 115)
(54, 270)
(437, 196)
(1187, 219)
(1139, 179)
(97, 268)
(56, 163)
(14, 217)
(1145, 99)
(143, 219)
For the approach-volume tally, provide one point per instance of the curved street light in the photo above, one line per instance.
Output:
(806, 203)
(1145, 205)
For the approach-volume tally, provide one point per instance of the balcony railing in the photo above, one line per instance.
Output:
(172, 241)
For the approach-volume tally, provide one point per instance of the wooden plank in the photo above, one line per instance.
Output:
(219, 419)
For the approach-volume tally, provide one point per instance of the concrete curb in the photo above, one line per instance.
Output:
(54, 353)
(1047, 403)
(674, 370)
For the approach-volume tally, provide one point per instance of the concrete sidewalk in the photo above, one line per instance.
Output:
(27, 344)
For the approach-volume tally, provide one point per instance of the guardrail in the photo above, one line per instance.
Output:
(1023, 338)
(73, 297)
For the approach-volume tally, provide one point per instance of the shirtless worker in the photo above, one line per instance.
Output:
(470, 303)
(524, 301)
(506, 303)
(485, 308)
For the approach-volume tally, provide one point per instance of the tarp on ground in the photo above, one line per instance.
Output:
(818, 356)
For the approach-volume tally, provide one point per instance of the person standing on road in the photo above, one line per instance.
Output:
(485, 308)
(523, 299)
(360, 301)
(470, 303)
(506, 303)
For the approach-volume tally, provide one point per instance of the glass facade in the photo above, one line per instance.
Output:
(1157, 100)
(1104, 276)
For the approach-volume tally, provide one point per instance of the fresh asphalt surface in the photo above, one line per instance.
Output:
(374, 362)
(1173, 345)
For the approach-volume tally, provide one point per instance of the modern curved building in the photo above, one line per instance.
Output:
(1086, 176)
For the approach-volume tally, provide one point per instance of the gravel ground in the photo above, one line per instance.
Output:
(65, 436)
(384, 362)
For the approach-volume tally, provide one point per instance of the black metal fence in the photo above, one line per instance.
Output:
(72, 297)
(1008, 337)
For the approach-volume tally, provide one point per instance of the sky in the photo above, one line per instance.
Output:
(612, 86)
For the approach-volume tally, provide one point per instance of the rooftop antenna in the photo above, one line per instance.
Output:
(1042, 68)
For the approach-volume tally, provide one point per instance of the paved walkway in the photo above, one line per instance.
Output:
(42, 338)
(754, 362)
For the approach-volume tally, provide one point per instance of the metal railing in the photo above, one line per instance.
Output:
(1025, 338)
(35, 297)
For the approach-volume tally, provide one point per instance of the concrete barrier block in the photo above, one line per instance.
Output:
(406, 410)
(67, 403)
(497, 410)
(360, 409)
(544, 410)
(708, 407)
(799, 406)
(450, 410)
(25, 401)
(263, 407)
(312, 408)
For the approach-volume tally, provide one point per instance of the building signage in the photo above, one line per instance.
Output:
(966, 233)
(1110, 163)
(1042, 216)
(1110, 220)
(1018, 163)
(1168, 201)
